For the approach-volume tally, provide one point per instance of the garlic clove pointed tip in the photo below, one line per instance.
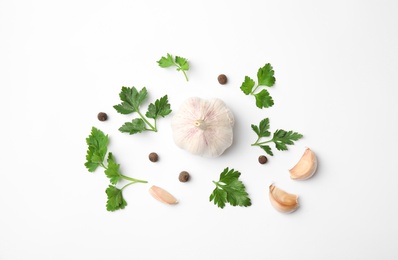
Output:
(306, 167)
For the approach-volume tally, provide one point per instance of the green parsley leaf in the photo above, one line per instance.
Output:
(160, 108)
(262, 129)
(219, 196)
(179, 62)
(115, 199)
(124, 108)
(112, 172)
(132, 99)
(236, 194)
(263, 99)
(228, 176)
(267, 149)
(97, 148)
(247, 85)
(137, 125)
(166, 62)
(182, 62)
(281, 138)
(229, 189)
(265, 77)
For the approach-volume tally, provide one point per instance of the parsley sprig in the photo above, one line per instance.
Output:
(179, 62)
(132, 99)
(229, 189)
(281, 138)
(265, 77)
(97, 143)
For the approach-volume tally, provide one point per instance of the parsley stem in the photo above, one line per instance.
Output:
(183, 71)
(132, 179)
(153, 128)
(218, 184)
(128, 184)
(261, 143)
(186, 77)
(125, 177)
(254, 89)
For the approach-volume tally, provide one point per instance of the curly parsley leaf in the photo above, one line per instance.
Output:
(181, 63)
(280, 138)
(265, 77)
(229, 189)
(161, 108)
(132, 99)
(115, 199)
(97, 143)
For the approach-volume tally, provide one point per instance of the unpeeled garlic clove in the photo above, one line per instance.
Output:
(282, 201)
(162, 195)
(305, 167)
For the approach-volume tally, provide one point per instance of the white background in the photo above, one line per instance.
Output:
(62, 62)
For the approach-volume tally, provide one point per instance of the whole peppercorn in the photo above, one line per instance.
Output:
(262, 159)
(153, 157)
(222, 79)
(102, 116)
(183, 177)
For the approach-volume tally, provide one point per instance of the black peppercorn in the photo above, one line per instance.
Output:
(153, 157)
(183, 177)
(262, 159)
(102, 116)
(222, 79)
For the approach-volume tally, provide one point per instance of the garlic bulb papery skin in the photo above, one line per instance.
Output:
(203, 127)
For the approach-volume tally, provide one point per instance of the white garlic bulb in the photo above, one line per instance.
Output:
(203, 127)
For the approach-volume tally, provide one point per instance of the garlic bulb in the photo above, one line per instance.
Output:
(203, 127)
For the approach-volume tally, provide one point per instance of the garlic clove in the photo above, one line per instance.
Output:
(305, 167)
(282, 201)
(162, 195)
(203, 127)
